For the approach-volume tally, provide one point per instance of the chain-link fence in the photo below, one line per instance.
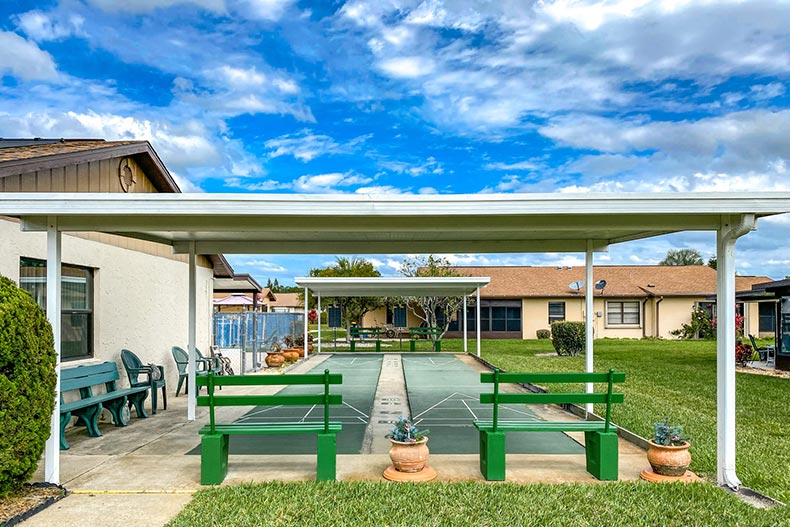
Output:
(253, 333)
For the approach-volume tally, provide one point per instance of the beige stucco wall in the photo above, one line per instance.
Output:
(378, 317)
(140, 300)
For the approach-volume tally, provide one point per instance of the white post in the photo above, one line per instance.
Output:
(589, 288)
(52, 448)
(466, 348)
(319, 322)
(478, 321)
(306, 292)
(725, 346)
(192, 336)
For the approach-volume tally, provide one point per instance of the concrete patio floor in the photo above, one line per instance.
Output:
(141, 475)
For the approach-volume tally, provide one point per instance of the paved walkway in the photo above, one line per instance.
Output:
(142, 475)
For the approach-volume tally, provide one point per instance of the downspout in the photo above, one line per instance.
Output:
(658, 318)
(644, 313)
(726, 236)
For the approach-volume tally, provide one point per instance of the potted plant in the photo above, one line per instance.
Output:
(668, 453)
(274, 357)
(409, 451)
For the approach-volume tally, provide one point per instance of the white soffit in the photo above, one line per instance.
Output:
(395, 224)
(395, 286)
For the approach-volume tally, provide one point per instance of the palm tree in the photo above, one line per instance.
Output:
(682, 257)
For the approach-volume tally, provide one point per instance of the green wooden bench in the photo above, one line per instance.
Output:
(362, 333)
(428, 333)
(600, 437)
(214, 445)
(89, 406)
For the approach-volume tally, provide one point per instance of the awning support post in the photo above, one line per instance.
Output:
(306, 293)
(466, 347)
(52, 448)
(192, 368)
(478, 321)
(731, 229)
(319, 322)
(589, 288)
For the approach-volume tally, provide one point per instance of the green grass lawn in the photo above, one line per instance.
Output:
(678, 379)
(367, 504)
(675, 379)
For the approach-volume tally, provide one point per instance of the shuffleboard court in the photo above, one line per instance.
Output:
(360, 378)
(444, 396)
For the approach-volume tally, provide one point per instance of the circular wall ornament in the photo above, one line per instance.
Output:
(126, 175)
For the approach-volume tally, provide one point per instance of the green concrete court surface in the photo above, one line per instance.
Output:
(360, 378)
(444, 395)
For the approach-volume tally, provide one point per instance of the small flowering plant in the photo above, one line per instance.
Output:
(667, 434)
(406, 432)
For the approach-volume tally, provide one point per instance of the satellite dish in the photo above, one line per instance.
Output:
(578, 284)
(600, 284)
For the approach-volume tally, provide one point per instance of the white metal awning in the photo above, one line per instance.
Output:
(393, 286)
(387, 224)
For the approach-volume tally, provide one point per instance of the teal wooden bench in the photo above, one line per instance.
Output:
(89, 406)
(600, 437)
(428, 333)
(362, 333)
(214, 445)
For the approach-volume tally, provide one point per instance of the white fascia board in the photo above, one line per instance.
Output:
(393, 286)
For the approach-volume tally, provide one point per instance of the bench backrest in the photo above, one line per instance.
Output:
(83, 377)
(427, 331)
(211, 381)
(357, 331)
(607, 397)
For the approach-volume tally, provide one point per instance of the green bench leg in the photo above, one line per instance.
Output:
(116, 410)
(353, 346)
(492, 455)
(437, 346)
(378, 345)
(89, 418)
(64, 421)
(137, 400)
(411, 345)
(327, 457)
(213, 459)
(602, 455)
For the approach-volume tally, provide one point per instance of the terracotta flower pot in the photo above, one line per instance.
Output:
(409, 457)
(669, 460)
(291, 355)
(274, 359)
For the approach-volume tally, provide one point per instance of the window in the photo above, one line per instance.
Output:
(767, 317)
(502, 315)
(556, 312)
(622, 313)
(76, 337)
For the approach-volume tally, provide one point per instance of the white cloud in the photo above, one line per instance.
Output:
(256, 186)
(407, 67)
(521, 165)
(429, 166)
(41, 26)
(144, 6)
(306, 145)
(377, 190)
(24, 59)
(271, 10)
(328, 183)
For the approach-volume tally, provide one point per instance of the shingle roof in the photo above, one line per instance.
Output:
(66, 146)
(286, 300)
(621, 281)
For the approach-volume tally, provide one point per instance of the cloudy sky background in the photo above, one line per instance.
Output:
(423, 97)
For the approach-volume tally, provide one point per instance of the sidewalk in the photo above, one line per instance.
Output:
(140, 475)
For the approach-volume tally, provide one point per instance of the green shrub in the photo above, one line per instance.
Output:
(567, 337)
(27, 385)
(543, 334)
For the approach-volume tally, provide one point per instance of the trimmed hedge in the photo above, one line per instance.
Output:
(27, 385)
(543, 334)
(567, 337)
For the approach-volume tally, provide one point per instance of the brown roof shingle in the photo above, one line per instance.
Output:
(66, 146)
(621, 281)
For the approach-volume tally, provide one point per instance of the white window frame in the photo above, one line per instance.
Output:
(610, 323)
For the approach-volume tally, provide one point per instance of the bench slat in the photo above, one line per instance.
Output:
(271, 428)
(269, 380)
(550, 398)
(542, 426)
(269, 400)
(544, 378)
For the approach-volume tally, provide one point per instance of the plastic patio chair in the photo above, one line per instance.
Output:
(204, 365)
(767, 353)
(135, 368)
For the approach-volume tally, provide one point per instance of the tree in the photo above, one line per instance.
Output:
(352, 309)
(682, 257)
(430, 308)
(712, 262)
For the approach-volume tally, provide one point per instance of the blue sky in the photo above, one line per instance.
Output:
(422, 97)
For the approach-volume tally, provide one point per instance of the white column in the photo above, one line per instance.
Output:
(52, 448)
(192, 337)
(478, 321)
(466, 347)
(306, 292)
(319, 322)
(589, 289)
(725, 346)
